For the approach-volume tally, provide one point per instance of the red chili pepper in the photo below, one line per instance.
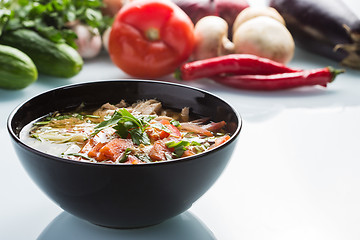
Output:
(239, 64)
(279, 81)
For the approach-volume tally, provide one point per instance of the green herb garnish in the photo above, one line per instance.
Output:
(175, 123)
(80, 155)
(143, 157)
(125, 155)
(92, 116)
(160, 126)
(41, 123)
(127, 124)
(179, 147)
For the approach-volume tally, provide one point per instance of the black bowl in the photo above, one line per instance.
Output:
(124, 196)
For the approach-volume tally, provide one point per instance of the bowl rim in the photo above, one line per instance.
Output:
(100, 164)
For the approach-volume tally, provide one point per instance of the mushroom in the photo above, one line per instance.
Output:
(252, 12)
(211, 38)
(264, 37)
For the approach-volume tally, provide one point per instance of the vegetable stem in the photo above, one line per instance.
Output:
(334, 72)
(152, 34)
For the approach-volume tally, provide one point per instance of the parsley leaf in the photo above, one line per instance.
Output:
(125, 155)
(179, 147)
(135, 126)
(160, 126)
(51, 18)
(105, 124)
(127, 124)
(175, 123)
(138, 136)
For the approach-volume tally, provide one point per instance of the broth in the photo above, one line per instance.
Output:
(124, 134)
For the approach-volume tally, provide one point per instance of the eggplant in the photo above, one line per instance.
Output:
(196, 9)
(326, 27)
(226, 9)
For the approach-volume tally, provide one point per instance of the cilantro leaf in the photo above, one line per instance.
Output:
(105, 124)
(127, 124)
(160, 126)
(51, 18)
(179, 147)
(135, 126)
(139, 137)
(125, 155)
(175, 123)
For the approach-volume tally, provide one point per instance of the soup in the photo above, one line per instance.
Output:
(125, 133)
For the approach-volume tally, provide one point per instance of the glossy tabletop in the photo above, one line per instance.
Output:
(294, 173)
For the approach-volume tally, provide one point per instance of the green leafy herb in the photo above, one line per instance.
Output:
(84, 156)
(143, 157)
(201, 147)
(58, 116)
(160, 126)
(175, 123)
(135, 126)
(127, 124)
(114, 119)
(51, 18)
(41, 123)
(138, 136)
(179, 147)
(92, 116)
(36, 136)
(125, 155)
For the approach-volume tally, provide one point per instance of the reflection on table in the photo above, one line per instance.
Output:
(183, 226)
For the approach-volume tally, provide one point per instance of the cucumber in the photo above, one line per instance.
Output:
(54, 59)
(17, 70)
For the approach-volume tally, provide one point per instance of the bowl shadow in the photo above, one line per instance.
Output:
(183, 226)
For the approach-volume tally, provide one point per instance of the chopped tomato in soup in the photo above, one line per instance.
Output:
(129, 134)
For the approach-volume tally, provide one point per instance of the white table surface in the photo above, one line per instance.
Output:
(295, 172)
